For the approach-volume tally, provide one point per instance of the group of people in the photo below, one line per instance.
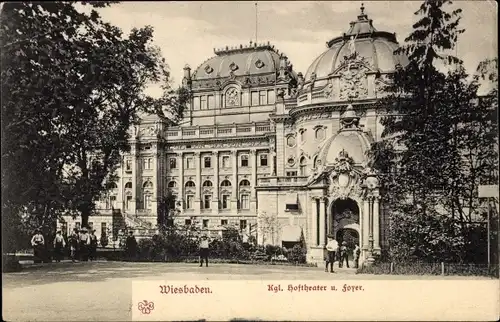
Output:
(82, 245)
(334, 252)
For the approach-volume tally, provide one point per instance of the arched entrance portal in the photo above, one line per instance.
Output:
(344, 221)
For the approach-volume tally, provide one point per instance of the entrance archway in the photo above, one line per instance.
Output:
(344, 221)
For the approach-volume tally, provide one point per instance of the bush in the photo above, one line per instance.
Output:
(297, 254)
(259, 255)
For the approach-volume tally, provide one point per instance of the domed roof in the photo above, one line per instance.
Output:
(350, 139)
(376, 47)
(242, 60)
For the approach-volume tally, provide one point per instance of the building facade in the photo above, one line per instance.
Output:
(273, 152)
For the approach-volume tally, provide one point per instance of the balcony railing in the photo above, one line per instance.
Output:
(282, 181)
(219, 131)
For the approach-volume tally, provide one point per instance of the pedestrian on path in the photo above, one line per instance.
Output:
(356, 254)
(59, 244)
(204, 250)
(344, 255)
(331, 248)
(84, 244)
(93, 245)
(38, 244)
(73, 241)
(131, 246)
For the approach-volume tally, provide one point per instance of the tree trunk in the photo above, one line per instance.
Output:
(85, 218)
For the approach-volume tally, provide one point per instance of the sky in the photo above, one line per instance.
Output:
(187, 32)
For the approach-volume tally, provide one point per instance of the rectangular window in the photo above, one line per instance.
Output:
(245, 202)
(255, 98)
(148, 163)
(189, 202)
(291, 173)
(223, 222)
(203, 103)
(128, 202)
(244, 160)
(78, 225)
(128, 165)
(225, 202)
(207, 202)
(263, 160)
(207, 162)
(205, 223)
(225, 161)
(263, 98)
(189, 163)
(271, 96)
(112, 202)
(196, 103)
(173, 163)
(187, 222)
(211, 102)
(147, 202)
(243, 224)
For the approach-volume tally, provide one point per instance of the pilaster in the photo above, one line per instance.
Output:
(322, 222)
(376, 224)
(197, 198)
(215, 200)
(234, 183)
(366, 224)
(180, 197)
(314, 221)
(253, 195)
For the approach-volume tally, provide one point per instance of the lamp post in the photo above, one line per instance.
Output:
(489, 192)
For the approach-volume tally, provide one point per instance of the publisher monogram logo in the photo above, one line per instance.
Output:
(146, 307)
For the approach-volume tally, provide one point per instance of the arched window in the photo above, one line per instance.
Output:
(225, 183)
(320, 133)
(207, 183)
(113, 185)
(244, 183)
(303, 165)
(147, 184)
(190, 184)
(128, 185)
(172, 184)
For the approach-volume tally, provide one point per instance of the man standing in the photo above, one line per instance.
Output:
(84, 245)
(344, 255)
(73, 245)
(356, 253)
(331, 248)
(204, 250)
(38, 243)
(131, 246)
(59, 245)
(93, 245)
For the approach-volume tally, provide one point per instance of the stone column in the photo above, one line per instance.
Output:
(366, 225)
(314, 222)
(197, 198)
(272, 166)
(322, 222)
(234, 182)
(215, 200)
(376, 224)
(180, 197)
(253, 194)
(134, 153)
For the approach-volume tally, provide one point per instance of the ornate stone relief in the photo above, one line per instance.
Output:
(314, 116)
(219, 144)
(353, 84)
(232, 97)
(328, 91)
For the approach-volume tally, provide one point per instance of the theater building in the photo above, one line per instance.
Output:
(270, 151)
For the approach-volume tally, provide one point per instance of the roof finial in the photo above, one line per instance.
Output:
(362, 8)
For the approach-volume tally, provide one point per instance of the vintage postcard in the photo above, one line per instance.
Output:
(241, 160)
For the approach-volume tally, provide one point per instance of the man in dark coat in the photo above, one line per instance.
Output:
(93, 245)
(73, 240)
(131, 246)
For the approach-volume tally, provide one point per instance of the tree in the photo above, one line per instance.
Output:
(436, 141)
(69, 96)
(166, 210)
(268, 226)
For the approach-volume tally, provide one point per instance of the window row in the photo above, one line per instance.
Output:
(207, 102)
(223, 222)
(224, 203)
(208, 183)
(225, 161)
